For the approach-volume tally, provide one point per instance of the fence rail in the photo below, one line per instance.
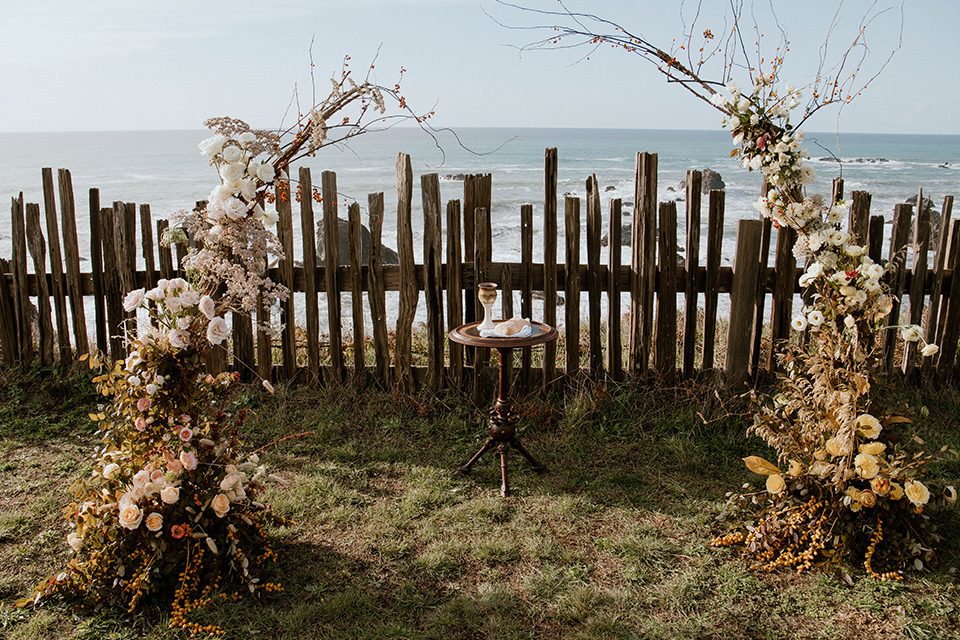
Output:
(653, 335)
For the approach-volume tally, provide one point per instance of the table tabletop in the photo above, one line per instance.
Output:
(469, 335)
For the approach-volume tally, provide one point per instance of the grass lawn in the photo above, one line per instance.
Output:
(612, 542)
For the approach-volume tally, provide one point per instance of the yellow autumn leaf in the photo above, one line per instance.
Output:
(895, 419)
(93, 416)
(760, 466)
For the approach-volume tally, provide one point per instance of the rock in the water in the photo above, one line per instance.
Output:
(934, 217)
(610, 187)
(624, 236)
(388, 255)
(710, 181)
(454, 176)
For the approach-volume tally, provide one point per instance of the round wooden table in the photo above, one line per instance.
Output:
(503, 419)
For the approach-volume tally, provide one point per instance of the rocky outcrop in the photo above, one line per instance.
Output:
(388, 255)
(711, 181)
(934, 218)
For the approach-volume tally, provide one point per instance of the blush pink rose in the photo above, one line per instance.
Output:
(143, 404)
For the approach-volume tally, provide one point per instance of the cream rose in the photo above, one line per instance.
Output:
(873, 448)
(868, 498)
(868, 426)
(169, 495)
(74, 541)
(896, 491)
(867, 466)
(775, 483)
(189, 460)
(154, 521)
(220, 505)
(916, 492)
(208, 307)
(111, 470)
(217, 330)
(130, 514)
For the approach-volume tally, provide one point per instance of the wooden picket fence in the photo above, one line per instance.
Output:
(661, 339)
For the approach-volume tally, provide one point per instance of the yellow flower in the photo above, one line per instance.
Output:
(796, 468)
(852, 499)
(868, 426)
(775, 483)
(873, 448)
(880, 485)
(867, 466)
(834, 448)
(916, 492)
(896, 491)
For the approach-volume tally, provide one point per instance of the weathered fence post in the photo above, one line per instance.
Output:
(432, 278)
(331, 271)
(691, 267)
(376, 289)
(712, 282)
(550, 263)
(614, 338)
(409, 294)
(308, 230)
(742, 295)
(665, 331)
(594, 282)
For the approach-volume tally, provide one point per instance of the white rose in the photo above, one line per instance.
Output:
(232, 172)
(217, 330)
(266, 172)
(130, 514)
(190, 298)
(815, 318)
(154, 521)
(246, 138)
(134, 299)
(179, 338)
(111, 470)
(74, 541)
(235, 208)
(270, 217)
(799, 323)
(248, 189)
(213, 145)
(208, 307)
(220, 505)
(232, 154)
(170, 495)
(151, 389)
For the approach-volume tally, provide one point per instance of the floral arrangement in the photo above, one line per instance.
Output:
(851, 485)
(171, 507)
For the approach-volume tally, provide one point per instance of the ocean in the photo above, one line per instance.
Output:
(165, 169)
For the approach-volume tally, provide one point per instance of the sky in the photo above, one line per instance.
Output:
(98, 65)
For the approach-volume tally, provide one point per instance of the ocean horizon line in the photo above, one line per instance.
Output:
(447, 129)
